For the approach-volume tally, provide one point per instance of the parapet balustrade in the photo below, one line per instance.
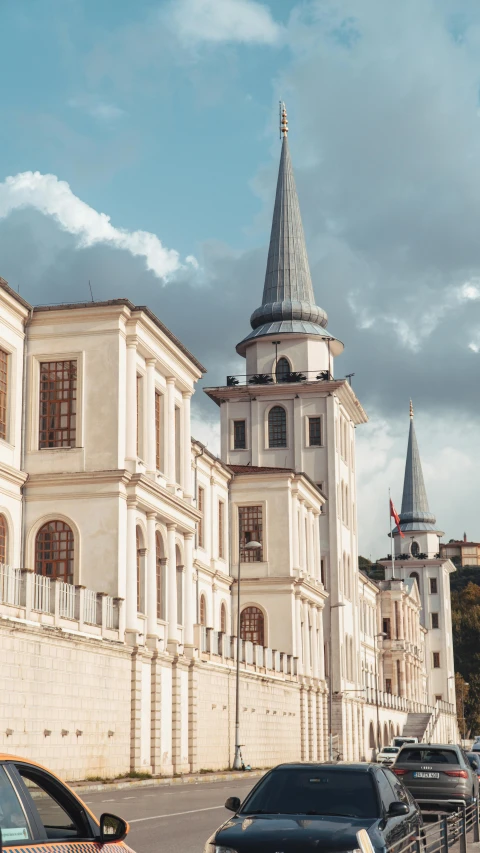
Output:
(54, 602)
(215, 645)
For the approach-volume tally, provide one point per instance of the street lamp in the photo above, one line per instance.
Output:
(330, 684)
(249, 546)
(383, 635)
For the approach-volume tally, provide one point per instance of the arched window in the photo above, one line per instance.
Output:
(139, 570)
(3, 540)
(385, 734)
(203, 611)
(371, 737)
(282, 370)
(160, 573)
(223, 619)
(415, 549)
(54, 551)
(277, 427)
(252, 626)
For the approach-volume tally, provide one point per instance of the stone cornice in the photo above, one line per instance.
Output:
(13, 475)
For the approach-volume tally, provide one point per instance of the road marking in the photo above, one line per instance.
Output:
(175, 814)
(107, 801)
(133, 798)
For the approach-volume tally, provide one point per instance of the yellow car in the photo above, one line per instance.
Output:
(36, 808)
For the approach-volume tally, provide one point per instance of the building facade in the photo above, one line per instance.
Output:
(121, 540)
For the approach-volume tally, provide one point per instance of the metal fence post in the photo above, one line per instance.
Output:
(463, 834)
(444, 833)
(476, 828)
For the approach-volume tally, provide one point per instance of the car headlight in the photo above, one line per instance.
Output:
(218, 848)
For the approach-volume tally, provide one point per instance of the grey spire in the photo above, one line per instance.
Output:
(288, 303)
(415, 514)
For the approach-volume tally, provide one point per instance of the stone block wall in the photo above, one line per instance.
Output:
(73, 687)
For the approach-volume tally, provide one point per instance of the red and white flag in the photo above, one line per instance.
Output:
(396, 518)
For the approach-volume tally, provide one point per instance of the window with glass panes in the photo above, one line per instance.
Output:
(3, 540)
(54, 551)
(314, 432)
(58, 404)
(252, 626)
(277, 427)
(251, 530)
(3, 392)
(239, 435)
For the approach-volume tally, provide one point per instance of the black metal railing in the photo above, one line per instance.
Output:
(272, 378)
(441, 836)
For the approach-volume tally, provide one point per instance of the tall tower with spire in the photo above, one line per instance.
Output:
(286, 411)
(417, 523)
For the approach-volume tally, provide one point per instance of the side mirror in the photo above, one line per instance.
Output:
(112, 828)
(397, 809)
(233, 804)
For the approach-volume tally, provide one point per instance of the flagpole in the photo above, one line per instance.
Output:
(391, 533)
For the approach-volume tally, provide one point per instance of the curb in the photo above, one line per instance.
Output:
(164, 781)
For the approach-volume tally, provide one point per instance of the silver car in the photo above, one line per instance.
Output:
(437, 775)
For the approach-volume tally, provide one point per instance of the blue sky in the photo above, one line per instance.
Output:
(139, 150)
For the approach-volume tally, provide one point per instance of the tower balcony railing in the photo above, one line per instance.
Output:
(285, 379)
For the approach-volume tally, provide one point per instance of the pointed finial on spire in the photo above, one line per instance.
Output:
(411, 410)
(283, 119)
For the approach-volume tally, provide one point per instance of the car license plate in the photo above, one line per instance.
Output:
(418, 775)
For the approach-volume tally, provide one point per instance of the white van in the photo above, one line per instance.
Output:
(399, 741)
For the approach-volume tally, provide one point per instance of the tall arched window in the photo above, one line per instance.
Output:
(282, 370)
(160, 573)
(203, 611)
(139, 570)
(371, 737)
(252, 626)
(223, 619)
(54, 551)
(277, 427)
(385, 734)
(3, 540)
(415, 549)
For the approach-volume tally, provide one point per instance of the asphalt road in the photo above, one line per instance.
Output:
(176, 819)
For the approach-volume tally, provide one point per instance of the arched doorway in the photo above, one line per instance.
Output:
(252, 626)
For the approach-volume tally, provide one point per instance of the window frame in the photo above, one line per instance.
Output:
(235, 446)
(221, 530)
(159, 431)
(269, 436)
(63, 794)
(8, 373)
(259, 615)
(278, 361)
(33, 434)
(258, 555)
(435, 658)
(55, 520)
(68, 433)
(308, 436)
(201, 522)
(4, 534)
(437, 619)
(433, 586)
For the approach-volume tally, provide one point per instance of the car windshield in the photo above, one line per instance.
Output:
(429, 756)
(311, 791)
(387, 750)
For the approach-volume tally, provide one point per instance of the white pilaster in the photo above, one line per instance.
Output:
(131, 602)
(171, 437)
(189, 617)
(307, 635)
(131, 413)
(315, 650)
(298, 632)
(316, 545)
(172, 633)
(187, 448)
(151, 577)
(295, 552)
(301, 536)
(151, 455)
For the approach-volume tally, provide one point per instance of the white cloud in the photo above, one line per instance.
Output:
(97, 109)
(54, 198)
(197, 21)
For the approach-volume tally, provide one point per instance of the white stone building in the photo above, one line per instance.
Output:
(121, 539)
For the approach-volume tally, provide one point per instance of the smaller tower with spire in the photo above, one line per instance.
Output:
(417, 523)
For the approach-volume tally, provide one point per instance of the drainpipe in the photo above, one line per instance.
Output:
(22, 440)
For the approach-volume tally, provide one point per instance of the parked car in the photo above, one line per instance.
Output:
(400, 740)
(319, 806)
(476, 746)
(388, 755)
(474, 761)
(437, 775)
(37, 808)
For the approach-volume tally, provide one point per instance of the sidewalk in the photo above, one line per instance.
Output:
(87, 787)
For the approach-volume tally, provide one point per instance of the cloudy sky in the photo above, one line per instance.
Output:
(139, 150)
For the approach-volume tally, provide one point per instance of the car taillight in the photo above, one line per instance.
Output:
(399, 772)
(461, 774)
